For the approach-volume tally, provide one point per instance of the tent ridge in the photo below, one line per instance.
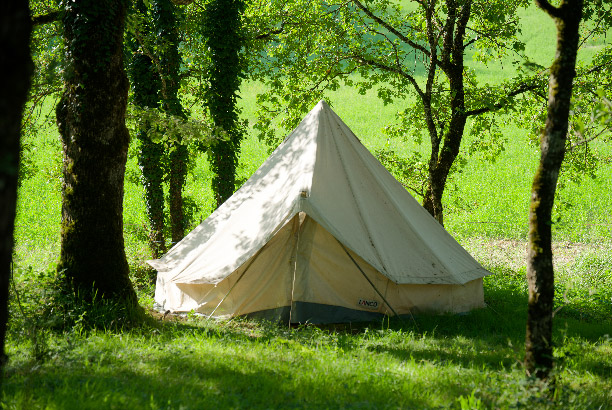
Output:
(381, 265)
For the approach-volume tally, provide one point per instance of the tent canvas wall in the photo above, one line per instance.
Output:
(322, 232)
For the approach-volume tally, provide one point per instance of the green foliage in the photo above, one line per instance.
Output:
(222, 30)
(410, 172)
(167, 128)
(313, 47)
(40, 304)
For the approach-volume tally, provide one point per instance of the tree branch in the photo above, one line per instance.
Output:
(447, 31)
(523, 88)
(396, 70)
(389, 27)
(584, 140)
(462, 22)
(271, 32)
(548, 8)
(46, 18)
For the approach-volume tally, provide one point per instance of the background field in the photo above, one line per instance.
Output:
(470, 361)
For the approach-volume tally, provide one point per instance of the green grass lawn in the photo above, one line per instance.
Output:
(464, 362)
(470, 361)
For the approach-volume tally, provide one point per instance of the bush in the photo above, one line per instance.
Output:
(40, 302)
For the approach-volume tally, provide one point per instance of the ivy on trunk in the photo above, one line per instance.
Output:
(91, 122)
(146, 85)
(165, 21)
(222, 27)
(154, 69)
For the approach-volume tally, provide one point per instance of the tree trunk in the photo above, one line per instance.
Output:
(146, 87)
(224, 159)
(178, 175)
(222, 26)
(14, 49)
(540, 273)
(149, 160)
(91, 122)
(451, 61)
(166, 23)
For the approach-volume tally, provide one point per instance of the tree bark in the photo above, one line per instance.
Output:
(15, 83)
(540, 272)
(179, 156)
(224, 159)
(91, 122)
(444, 151)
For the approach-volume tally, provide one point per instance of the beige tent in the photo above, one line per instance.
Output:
(320, 233)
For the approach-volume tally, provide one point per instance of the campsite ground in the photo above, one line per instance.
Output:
(465, 362)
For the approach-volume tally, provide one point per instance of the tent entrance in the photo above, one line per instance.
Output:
(303, 275)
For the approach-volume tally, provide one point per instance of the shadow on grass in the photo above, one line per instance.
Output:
(185, 379)
(494, 337)
(191, 363)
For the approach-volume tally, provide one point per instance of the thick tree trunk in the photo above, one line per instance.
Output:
(15, 33)
(91, 122)
(540, 273)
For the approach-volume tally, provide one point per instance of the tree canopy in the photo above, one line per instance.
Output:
(418, 56)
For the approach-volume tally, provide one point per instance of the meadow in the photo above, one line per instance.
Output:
(470, 361)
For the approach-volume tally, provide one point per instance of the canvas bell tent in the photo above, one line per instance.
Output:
(321, 233)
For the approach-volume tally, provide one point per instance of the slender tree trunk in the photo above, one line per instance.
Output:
(540, 273)
(91, 122)
(224, 158)
(451, 60)
(15, 31)
(146, 90)
(179, 156)
(222, 25)
(149, 160)
(166, 23)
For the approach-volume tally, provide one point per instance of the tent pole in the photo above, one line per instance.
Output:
(295, 256)
(370, 282)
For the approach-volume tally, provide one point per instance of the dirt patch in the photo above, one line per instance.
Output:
(513, 253)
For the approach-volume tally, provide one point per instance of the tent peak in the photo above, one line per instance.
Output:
(322, 102)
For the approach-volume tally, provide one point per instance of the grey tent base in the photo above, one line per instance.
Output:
(316, 313)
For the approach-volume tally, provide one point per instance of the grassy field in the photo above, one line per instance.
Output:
(471, 361)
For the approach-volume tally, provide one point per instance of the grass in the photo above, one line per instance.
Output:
(436, 362)
(463, 362)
